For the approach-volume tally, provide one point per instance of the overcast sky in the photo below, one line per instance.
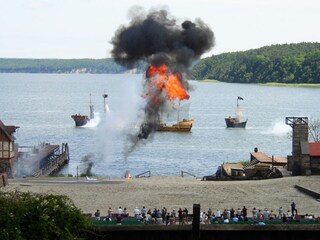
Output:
(84, 28)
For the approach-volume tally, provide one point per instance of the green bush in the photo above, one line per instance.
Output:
(40, 216)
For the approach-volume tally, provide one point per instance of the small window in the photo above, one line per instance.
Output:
(5, 145)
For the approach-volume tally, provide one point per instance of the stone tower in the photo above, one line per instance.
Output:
(299, 162)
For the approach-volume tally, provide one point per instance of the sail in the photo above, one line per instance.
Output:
(176, 112)
(239, 114)
(106, 108)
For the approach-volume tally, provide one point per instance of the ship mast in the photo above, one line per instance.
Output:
(104, 95)
(179, 112)
(238, 110)
(91, 109)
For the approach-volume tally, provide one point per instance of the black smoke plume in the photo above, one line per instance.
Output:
(158, 39)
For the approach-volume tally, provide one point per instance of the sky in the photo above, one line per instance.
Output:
(84, 28)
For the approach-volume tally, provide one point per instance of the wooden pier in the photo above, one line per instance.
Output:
(42, 160)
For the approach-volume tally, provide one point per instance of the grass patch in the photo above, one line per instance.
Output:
(275, 84)
(245, 162)
(208, 80)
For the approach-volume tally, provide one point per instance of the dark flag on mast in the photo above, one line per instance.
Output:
(240, 98)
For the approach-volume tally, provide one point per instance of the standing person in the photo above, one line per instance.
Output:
(180, 215)
(280, 212)
(110, 212)
(238, 212)
(125, 212)
(232, 213)
(289, 215)
(143, 211)
(97, 215)
(136, 212)
(224, 214)
(186, 211)
(120, 211)
(244, 211)
(266, 213)
(218, 214)
(254, 213)
(209, 214)
(167, 218)
(119, 219)
(174, 214)
(294, 211)
(163, 214)
(184, 217)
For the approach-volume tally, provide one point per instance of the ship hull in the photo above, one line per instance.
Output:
(183, 126)
(235, 123)
(80, 120)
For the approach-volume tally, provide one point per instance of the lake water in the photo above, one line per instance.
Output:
(42, 105)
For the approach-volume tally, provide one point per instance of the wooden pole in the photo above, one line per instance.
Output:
(196, 222)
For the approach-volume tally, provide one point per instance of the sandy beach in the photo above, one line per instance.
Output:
(176, 192)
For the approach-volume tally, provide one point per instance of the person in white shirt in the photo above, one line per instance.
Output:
(289, 215)
(218, 214)
(136, 212)
(120, 211)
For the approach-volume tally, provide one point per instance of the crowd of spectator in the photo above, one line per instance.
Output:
(182, 216)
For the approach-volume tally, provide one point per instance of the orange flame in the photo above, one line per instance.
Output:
(162, 78)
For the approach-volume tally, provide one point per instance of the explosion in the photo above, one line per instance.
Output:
(162, 78)
(169, 48)
(162, 85)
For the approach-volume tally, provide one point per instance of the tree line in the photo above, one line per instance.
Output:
(20, 65)
(281, 63)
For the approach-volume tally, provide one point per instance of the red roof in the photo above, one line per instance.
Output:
(314, 149)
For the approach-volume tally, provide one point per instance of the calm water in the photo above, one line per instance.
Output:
(41, 104)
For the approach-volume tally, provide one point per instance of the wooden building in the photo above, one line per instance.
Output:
(310, 153)
(305, 158)
(260, 166)
(314, 149)
(261, 158)
(8, 151)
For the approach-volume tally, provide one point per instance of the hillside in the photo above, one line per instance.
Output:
(285, 63)
(281, 63)
(18, 65)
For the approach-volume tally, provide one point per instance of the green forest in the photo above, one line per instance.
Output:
(281, 63)
(20, 65)
(285, 63)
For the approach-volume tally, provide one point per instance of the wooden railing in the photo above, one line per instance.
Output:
(55, 163)
(143, 174)
(183, 173)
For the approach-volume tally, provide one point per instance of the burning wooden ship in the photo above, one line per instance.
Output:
(164, 91)
(81, 120)
(236, 122)
(182, 126)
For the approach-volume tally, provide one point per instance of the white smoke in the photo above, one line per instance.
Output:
(94, 122)
(278, 128)
(117, 121)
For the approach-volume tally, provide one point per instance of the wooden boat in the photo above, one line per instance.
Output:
(179, 126)
(236, 122)
(81, 120)
(182, 126)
